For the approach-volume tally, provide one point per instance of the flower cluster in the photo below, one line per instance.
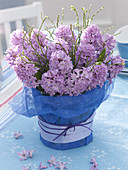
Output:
(63, 61)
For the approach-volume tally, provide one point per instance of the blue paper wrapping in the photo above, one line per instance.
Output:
(61, 110)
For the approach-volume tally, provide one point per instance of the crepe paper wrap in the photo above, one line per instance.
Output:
(62, 110)
(59, 110)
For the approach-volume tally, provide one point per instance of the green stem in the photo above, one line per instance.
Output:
(43, 20)
(117, 33)
(37, 54)
(74, 42)
(49, 33)
(77, 17)
(57, 22)
(52, 22)
(63, 48)
(84, 17)
(23, 39)
(37, 40)
(78, 59)
(25, 56)
(91, 18)
(108, 29)
(62, 16)
(88, 17)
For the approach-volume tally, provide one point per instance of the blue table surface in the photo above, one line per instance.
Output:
(110, 143)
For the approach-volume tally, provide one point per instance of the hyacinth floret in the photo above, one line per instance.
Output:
(26, 72)
(16, 37)
(99, 75)
(114, 64)
(61, 61)
(86, 55)
(79, 81)
(65, 32)
(52, 82)
(38, 37)
(108, 43)
(92, 35)
(11, 55)
(57, 44)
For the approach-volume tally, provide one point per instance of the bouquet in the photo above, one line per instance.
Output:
(63, 69)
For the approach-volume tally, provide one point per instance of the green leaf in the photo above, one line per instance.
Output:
(38, 75)
(98, 63)
(101, 56)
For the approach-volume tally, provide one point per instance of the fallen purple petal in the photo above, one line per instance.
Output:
(94, 167)
(23, 155)
(17, 135)
(30, 152)
(93, 160)
(52, 161)
(95, 164)
(61, 166)
(25, 168)
(42, 166)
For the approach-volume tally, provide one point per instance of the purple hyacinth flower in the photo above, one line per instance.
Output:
(52, 161)
(92, 35)
(108, 42)
(23, 155)
(42, 166)
(64, 32)
(30, 152)
(17, 134)
(114, 64)
(61, 165)
(93, 160)
(94, 164)
(25, 168)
